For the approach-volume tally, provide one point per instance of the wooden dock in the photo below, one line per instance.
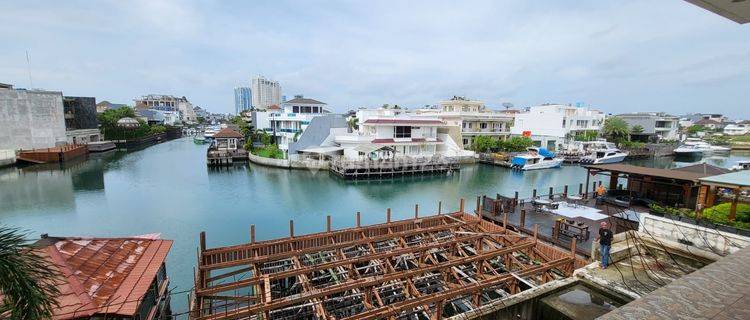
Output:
(218, 158)
(54, 154)
(368, 169)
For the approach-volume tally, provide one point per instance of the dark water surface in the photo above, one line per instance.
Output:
(167, 189)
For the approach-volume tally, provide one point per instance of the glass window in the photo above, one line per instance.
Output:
(483, 125)
(402, 132)
(295, 109)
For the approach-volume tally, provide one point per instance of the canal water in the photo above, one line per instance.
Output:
(168, 189)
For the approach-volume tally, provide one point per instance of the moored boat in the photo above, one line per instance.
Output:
(536, 158)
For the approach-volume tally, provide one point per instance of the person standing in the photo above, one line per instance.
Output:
(605, 241)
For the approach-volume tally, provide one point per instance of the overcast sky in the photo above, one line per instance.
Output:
(618, 56)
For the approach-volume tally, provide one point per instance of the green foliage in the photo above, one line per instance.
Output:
(616, 129)
(588, 135)
(717, 140)
(244, 127)
(110, 117)
(26, 278)
(636, 129)
(157, 129)
(718, 214)
(632, 144)
(265, 138)
(353, 123)
(487, 144)
(696, 128)
(200, 120)
(744, 138)
(269, 151)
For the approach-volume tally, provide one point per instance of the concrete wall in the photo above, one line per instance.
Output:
(31, 119)
(7, 157)
(678, 234)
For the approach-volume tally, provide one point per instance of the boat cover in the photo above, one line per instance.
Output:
(546, 153)
(518, 161)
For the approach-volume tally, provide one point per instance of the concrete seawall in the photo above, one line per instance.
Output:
(289, 164)
(7, 157)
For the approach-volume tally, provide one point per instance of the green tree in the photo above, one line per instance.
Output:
(588, 135)
(516, 144)
(483, 143)
(353, 124)
(200, 120)
(636, 129)
(242, 124)
(616, 129)
(696, 128)
(26, 278)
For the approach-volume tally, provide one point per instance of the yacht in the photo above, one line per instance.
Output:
(199, 139)
(536, 158)
(741, 165)
(605, 154)
(210, 132)
(697, 147)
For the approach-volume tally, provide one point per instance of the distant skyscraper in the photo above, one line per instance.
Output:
(265, 92)
(242, 99)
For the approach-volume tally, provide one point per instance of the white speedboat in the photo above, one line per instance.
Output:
(606, 154)
(536, 158)
(210, 132)
(741, 165)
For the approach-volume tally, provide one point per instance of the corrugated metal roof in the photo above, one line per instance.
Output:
(645, 171)
(738, 178)
(103, 275)
(704, 168)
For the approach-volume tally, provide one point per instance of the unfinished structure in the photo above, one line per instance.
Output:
(423, 268)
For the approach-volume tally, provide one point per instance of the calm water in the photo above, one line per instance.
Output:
(167, 189)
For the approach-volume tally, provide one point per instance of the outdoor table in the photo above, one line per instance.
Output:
(540, 203)
(575, 200)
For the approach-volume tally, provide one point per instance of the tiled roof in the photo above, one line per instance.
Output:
(404, 121)
(707, 121)
(228, 133)
(103, 275)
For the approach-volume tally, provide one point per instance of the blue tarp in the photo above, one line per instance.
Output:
(518, 161)
(546, 153)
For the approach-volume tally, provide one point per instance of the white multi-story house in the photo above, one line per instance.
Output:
(168, 103)
(656, 125)
(551, 125)
(470, 118)
(265, 93)
(388, 134)
(289, 121)
(737, 129)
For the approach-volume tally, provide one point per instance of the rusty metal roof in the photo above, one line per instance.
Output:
(103, 275)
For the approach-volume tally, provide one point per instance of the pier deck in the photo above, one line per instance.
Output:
(422, 268)
(367, 169)
(216, 158)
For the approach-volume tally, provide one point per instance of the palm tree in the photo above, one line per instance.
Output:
(353, 124)
(636, 129)
(616, 129)
(26, 278)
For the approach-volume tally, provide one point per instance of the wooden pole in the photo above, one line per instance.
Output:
(358, 220)
(565, 191)
(203, 241)
(328, 223)
(536, 232)
(291, 228)
(573, 247)
(416, 211)
(551, 190)
(252, 233)
(533, 194)
(461, 206)
(388, 215)
(479, 206)
(580, 189)
(588, 174)
(522, 223)
(505, 220)
(440, 207)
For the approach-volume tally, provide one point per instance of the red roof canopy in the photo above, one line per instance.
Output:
(103, 275)
(228, 133)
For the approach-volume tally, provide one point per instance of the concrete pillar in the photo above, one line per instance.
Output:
(388, 215)
(291, 228)
(416, 211)
(440, 207)
(328, 223)
(252, 233)
(358, 220)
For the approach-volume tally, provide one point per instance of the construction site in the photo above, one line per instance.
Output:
(434, 267)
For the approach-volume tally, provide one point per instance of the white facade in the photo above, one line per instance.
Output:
(657, 124)
(382, 134)
(265, 93)
(549, 126)
(737, 129)
(470, 118)
(290, 121)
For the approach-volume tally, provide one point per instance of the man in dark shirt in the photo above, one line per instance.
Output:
(605, 241)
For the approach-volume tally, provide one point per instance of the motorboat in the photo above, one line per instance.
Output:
(199, 139)
(694, 147)
(536, 158)
(210, 132)
(741, 165)
(610, 154)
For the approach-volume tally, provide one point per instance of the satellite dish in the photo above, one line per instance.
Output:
(507, 105)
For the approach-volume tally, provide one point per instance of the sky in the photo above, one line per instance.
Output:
(616, 56)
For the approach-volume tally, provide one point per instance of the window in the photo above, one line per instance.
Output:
(483, 125)
(295, 109)
(402, 132)
(563, 123)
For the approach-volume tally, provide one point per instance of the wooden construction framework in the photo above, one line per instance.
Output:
(368, 169)
(421, 268)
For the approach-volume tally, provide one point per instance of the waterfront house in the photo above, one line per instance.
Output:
(737, 129)
(286, 123)
(656, 125)
(391, 135)
(550, 125)
(109, 278)
(468, 119)
(227, 148)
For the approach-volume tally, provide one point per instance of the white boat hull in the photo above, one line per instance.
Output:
(547, 164)
(611, 159)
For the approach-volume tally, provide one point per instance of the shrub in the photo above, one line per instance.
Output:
(269, 151)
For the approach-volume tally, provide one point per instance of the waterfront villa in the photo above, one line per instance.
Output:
(550, 125)
(109, 278)
(289, 121)
(468, 119)
(387, 135)
(227, 147)
(737, 129)
(656, 125)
